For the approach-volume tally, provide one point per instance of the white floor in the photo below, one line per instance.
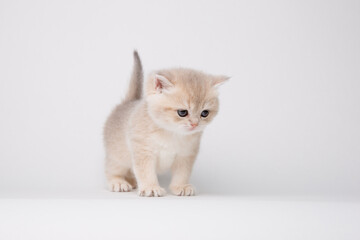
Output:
(105, 215)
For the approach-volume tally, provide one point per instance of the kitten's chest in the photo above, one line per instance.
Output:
(168, 149)
(165, 160)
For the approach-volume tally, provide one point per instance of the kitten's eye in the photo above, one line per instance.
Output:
(204, 113)
(182, 113)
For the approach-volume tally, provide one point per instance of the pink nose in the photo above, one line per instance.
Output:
(193, 124)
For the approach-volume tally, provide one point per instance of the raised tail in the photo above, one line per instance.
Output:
(136, 82)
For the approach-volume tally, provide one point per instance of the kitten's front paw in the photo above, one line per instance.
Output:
(183, 190)
(120, 186)
(152, 191)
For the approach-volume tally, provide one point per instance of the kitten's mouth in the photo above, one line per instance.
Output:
(192, 128)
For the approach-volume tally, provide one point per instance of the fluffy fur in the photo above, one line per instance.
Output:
(144, 135)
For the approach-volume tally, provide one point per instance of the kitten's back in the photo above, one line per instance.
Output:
(118, 119)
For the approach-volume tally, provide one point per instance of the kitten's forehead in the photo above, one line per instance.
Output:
(194, 92)
(186, 88)
(196, 85)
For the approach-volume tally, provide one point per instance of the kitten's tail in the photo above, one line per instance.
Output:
(136, 82)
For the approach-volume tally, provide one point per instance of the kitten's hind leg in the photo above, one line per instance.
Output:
(117, 182)
(131, 179)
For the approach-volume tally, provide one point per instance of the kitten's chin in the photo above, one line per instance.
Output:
(189, 131)
(184, 131)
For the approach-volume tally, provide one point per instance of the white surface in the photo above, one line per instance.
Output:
(104, 215)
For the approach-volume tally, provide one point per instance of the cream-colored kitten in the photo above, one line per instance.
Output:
(161, 130)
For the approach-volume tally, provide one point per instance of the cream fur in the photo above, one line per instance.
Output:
(145, 136)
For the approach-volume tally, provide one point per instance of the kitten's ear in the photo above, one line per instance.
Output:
(219, 80)
(162, 83)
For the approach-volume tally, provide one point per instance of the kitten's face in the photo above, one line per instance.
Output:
(182, 100)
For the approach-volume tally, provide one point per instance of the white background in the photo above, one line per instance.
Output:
(289, 117)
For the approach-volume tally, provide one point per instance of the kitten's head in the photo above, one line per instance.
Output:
(183, 100)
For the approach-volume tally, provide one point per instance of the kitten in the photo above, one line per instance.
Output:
(159, 128)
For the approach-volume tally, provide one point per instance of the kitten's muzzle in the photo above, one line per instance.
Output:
(193, 126)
